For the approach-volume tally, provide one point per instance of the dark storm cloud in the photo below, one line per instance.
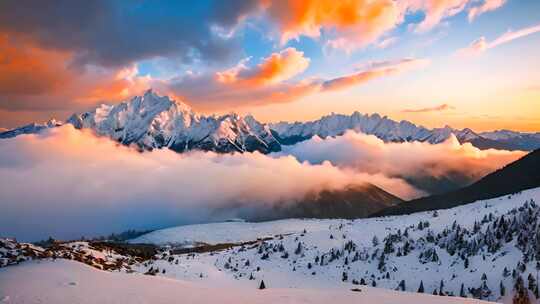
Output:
(116, 33)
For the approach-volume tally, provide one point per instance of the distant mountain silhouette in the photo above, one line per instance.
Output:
(355, 201)
(522, 174)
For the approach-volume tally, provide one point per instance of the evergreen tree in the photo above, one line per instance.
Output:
(421, 287)
(375, 241)
(401, 285)
(298, 248)
(503, 290)
(520, 293)
(532, 282)
(262, 286)
(441, 288)
(462, 291)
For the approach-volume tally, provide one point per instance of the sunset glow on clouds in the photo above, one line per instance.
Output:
(276, 68)
(167, 188)
(481, 44)
(224, 55)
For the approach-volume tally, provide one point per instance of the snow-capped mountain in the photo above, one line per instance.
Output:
(151, 121)
(31, 128)
(393, 131)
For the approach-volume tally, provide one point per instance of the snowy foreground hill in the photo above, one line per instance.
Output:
(486, 250)
(71, 282)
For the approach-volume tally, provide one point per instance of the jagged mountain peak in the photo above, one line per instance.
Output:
(153, 121)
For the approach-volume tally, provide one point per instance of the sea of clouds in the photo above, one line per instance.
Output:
(67, 183)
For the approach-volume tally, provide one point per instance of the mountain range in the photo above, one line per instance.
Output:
(153, 122)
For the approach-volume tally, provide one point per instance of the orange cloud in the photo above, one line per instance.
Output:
(33, 79)
(374, 70)
(276, 68)
(488, 5)
(481, 44)
(26, 69)
(439, 108)
(354, 24)
(233, 88)
(357, 22)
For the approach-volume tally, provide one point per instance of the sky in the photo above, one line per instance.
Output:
(464, 63)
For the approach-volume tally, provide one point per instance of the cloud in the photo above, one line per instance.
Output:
(265, 84)
(486, 6)
(435, 11)
(37, 79)
(374, 70)
(67, 182)
(119, 33)
(481, 45)
(357, 23)
(276, 68)
(416, 162)
(438, 108)
(387, 42)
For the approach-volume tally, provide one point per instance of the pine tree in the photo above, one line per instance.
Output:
(520, 293)
(462, 291)
(421, 287)
(262, 286)
(375, 241)
(401, 285)
(503, 290)
(298, 248)
(441, 288)
(532, 282)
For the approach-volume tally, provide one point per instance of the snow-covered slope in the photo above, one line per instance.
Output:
(467, 248)
(69, 282)
(481, 250)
